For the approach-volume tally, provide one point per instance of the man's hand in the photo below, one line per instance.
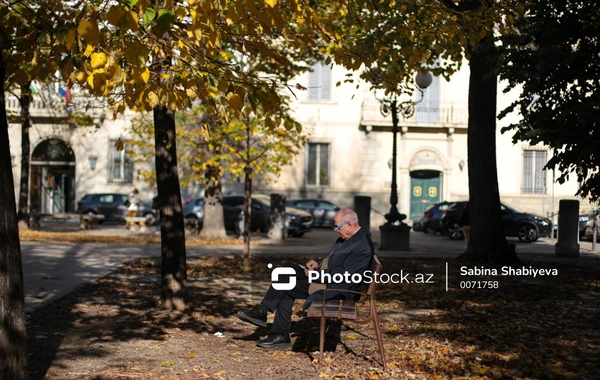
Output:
(312, 265)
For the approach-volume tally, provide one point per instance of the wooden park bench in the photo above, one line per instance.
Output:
(345, 310)
(36, 219)
(137, 223)
(87, 221)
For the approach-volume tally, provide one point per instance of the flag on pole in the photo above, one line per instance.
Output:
(66, 93)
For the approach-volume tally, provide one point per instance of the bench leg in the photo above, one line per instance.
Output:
(82, 224)
(379, 340)
(134, 226)
(322, 340)
(143, 227)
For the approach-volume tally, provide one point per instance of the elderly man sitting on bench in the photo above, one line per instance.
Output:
(352, 253)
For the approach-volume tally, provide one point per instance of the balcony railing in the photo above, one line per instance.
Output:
(445, 116)
(50, 107)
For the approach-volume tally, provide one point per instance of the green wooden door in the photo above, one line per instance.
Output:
(424, 191)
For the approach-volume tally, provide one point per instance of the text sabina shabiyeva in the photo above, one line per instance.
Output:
(507, 271)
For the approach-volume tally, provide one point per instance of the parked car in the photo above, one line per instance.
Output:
(527, 227)
(417, 223)
(113, 206)
(585, 220)
(194, 209)
(592, 226)
(449, 220)
(322, 211)
(432, 216)
(297, 221)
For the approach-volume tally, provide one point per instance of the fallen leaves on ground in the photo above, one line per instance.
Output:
(82, 237)
(526, 328)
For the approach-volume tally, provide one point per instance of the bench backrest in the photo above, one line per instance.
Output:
(376, 269)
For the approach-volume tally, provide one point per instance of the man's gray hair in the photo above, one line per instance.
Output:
(348, 215)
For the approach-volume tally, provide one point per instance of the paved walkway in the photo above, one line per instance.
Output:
(54, 270)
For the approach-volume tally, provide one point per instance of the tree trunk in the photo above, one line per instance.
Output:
(487, 242)
(277, 216)
(23, 211)
(174, 286)
(13, 349)
(247, 216)
(213, 227)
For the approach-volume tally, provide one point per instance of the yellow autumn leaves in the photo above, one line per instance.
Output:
(235, 101)
(122, 18)
(88, 30)
(105, 71)
(136, 56)
(98, 60)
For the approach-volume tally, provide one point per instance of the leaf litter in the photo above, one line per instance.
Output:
(525, 329)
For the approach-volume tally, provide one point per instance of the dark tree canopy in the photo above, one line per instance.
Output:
(555, 57)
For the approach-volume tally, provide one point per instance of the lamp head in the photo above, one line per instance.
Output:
(423, 79)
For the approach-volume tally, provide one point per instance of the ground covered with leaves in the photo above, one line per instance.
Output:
(73, 235)
(513, 327)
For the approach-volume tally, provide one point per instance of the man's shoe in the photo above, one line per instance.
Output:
(275, 341)
(256, 316)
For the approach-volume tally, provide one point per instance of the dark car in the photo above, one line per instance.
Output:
(432, 216)
(449, 224)
(527, 227)
(417, 223)
(323, 212)
(194, 209)
(113, 206)
(297, 221)
(585, 220)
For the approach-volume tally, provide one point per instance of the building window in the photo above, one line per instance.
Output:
(120, 164)
(534, 175)
(319, 83)
(318, 164)
(428, 109)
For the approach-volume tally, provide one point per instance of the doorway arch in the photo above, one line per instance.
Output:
(52, 187)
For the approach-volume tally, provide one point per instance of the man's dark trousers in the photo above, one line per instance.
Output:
(282, 301)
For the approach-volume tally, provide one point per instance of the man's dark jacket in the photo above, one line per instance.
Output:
(354, 255)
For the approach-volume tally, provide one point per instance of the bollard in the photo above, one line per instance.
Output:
(362, 207)
(568, 229)
(594, 232)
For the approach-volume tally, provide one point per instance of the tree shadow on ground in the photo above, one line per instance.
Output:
(535, 327)
(502, 326)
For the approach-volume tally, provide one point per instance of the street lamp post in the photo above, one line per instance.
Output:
(395, 233)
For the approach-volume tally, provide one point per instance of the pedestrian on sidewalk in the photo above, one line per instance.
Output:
(134, 202)
(352, 253)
